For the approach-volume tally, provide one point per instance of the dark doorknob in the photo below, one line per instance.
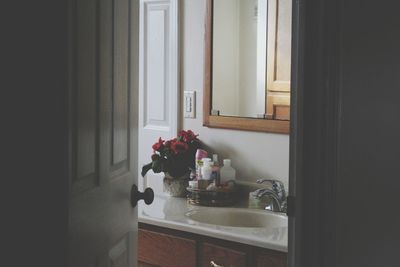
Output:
(147, 196)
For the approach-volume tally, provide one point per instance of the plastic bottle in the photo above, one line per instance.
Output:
(227, 172)
(206, 170)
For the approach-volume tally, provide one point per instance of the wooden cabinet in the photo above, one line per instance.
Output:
(279, 58)
(164, 247)
(270, 258)
(221, 256)
(159, 249)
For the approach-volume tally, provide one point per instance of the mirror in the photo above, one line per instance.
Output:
(247, 65)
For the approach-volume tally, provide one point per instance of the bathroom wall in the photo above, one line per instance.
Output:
(254, 155)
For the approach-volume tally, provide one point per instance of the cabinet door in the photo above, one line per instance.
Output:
(157, 249)
(278, 57)
(221, 256)
(271, 259)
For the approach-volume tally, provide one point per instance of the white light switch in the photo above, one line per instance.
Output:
(189, 104)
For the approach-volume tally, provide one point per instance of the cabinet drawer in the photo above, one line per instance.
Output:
(165, 250)
(222, 256)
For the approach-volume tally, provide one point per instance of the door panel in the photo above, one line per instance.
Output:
(119, 253)
(103, 225)
(121, 84)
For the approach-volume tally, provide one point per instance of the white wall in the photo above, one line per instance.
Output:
(253, 154)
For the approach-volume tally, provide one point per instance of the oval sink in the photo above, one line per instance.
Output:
(238, 218)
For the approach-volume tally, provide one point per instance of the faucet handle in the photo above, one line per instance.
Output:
(275, 183)
(277, 186)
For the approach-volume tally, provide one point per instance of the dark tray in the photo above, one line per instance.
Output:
(218, 198)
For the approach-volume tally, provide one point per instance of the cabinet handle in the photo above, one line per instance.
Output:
(213, 264)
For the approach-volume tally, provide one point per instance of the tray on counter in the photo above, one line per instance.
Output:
(212, 198)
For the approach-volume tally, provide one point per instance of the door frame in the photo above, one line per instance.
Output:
(315, 124)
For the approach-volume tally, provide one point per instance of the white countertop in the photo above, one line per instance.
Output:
(170, 212)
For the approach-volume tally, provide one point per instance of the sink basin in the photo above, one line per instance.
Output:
(237, 218)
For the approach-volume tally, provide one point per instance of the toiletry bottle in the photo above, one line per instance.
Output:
(200, 154)
(227, 172)
(206, 169)
(215, 175)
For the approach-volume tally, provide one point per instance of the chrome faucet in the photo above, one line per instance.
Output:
(276, 193)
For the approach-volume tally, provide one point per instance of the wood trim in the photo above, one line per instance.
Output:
(248, 124)
(207, 100)
(226, 122)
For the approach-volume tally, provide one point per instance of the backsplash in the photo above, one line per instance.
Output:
(254, 155)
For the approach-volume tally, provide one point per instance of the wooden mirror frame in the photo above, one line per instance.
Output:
(229, 122)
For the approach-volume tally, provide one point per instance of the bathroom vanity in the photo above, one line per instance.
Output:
(159, 246)
(174, 233)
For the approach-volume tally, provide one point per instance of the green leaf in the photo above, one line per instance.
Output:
(157, 166)
(146, 168)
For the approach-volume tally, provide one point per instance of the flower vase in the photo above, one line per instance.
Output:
(176, 187)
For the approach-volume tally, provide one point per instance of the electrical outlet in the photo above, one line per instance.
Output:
(189, 108)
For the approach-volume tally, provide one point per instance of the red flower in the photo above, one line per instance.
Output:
(158, 146)
(179, 147)
(175, 156)
(169, 143)
(187, 136)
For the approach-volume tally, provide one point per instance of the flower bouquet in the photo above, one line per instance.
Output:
(176, 158)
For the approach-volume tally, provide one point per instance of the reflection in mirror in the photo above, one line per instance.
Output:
(239, 53)
(251, 45)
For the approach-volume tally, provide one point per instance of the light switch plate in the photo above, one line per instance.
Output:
(189, 104)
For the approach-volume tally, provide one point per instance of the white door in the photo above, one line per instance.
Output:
(158, 79)
(103, 151)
